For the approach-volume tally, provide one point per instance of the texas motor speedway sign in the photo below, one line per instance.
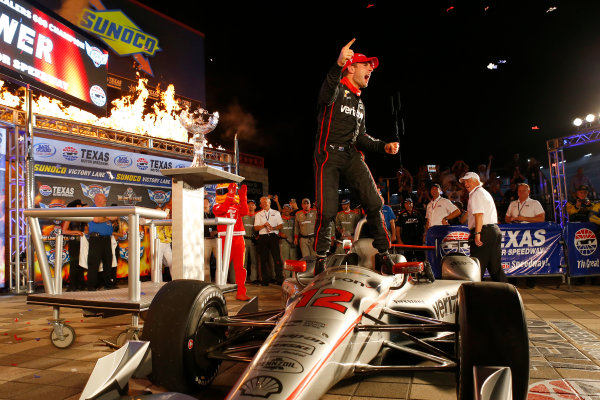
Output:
(527, 249)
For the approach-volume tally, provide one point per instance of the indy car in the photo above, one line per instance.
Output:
(348, 320)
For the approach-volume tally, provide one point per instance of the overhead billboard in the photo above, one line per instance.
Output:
(142, 40)
(37, 48)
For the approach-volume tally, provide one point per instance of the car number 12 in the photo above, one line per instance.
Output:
(336, 296)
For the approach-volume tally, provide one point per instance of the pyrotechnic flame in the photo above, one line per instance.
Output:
(127, 114)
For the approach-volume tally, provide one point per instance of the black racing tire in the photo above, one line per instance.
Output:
(179, 339)
(492, 332)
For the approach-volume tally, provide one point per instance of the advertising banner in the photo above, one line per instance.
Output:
(3, 139)
(68, 171)
(38, 49)
(164, 50)
(582, 248)
(527, 249)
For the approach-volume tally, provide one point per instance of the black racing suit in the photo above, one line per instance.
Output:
(340, 135)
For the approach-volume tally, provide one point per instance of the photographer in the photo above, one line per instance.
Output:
(579, 208)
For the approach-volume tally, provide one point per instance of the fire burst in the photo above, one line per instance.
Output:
(127, 114)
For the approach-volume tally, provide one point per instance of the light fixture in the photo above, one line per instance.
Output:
(590, 118)
(588, 155)
(577, 121)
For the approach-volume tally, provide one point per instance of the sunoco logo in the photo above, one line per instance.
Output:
(142, 164)
(45, 190)
(123, 161)
(585, 242)
(281, 364)
(44, 150)
(70, 153)
(456, 242)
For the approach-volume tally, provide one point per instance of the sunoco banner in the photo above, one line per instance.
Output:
(582, 248)
(527, 249)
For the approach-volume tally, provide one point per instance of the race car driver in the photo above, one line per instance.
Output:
(340, 137)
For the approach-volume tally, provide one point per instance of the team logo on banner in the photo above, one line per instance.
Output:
(45, 190)
(44, 150)
(92, 190)
(123, 161)
(142, 163)
(129, 198)
(52, 256)
(586, 241)
(456, 242)
(160, 197)
(97, 56)
(70, 153)
(98, 95)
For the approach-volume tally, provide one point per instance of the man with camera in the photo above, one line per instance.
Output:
(579, 209)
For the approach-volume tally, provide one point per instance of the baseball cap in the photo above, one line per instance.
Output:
(251, 201)
(359, 58)
(583, 187)
(75, 203)
(287, 205)
(437, 185)
(469, 175)
(345, 201)
(408, 200)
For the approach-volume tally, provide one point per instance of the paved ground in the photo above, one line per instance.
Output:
(564, 332)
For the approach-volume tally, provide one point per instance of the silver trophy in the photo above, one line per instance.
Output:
(199, 123)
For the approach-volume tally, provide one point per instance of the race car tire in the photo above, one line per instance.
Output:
(179, 339)
(492, 332)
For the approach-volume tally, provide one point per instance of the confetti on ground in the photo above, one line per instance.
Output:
(28, 323)
(16, 319)
(73, 369)
(17, 338)
(37, 339)
(36, 376)
(13, 364)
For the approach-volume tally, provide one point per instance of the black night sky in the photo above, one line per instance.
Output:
(268, 59)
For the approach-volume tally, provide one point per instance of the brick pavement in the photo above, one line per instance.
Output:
(564, 333)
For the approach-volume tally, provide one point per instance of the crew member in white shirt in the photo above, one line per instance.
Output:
(267, 223)
(439, 210)
(524, 209)
(486, 239)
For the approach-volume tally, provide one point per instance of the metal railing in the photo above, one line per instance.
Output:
(223, 255)
(87, 214)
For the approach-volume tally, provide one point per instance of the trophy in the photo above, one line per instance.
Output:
(198, 123)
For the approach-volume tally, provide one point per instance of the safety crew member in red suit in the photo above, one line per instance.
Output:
(340, 138)
(234, 206)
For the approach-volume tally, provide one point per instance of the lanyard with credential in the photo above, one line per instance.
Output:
(519, 208)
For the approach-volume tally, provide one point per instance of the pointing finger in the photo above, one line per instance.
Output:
(349, 44)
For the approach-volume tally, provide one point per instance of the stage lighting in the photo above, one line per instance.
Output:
(590, 118)
(577, 121)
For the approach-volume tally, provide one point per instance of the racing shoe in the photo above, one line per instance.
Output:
(384, 263)
(320, 263)
(242, 297)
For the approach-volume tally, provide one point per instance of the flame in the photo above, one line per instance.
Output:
(127, 113)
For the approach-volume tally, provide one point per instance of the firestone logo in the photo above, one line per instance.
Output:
(70, 153)
(456, 242)
(586, 241)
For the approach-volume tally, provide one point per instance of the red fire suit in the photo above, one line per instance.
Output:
(232, 208)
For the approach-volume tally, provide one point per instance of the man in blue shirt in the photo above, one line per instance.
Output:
(390, 221)
(100, 250)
